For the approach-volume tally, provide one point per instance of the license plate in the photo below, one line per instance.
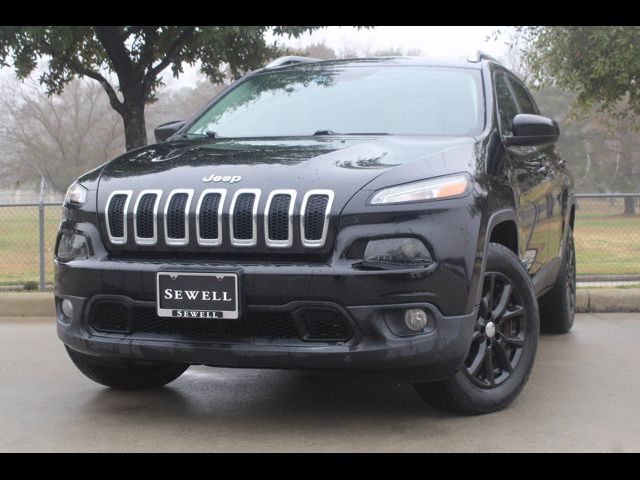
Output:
(197, 295)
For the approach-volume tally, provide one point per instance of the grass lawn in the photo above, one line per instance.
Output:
(605, 244)
(19, 258)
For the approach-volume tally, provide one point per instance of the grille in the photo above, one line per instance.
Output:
(324, 324)
(243, 216)
(212, 213)
(145, 216)
(117, 215)
(315, 216)
(110, 317)
(279, 217)
(270, 325)
(175, 217)
(307, 324)
(209, 216)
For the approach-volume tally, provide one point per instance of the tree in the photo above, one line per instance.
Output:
(137, 55)
(56, 137)
(601, 65)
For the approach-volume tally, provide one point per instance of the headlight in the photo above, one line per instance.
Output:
(76, 194)
(395, 252)
(72, 245)
(432, 189)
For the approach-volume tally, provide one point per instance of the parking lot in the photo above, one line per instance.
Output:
(582, 396)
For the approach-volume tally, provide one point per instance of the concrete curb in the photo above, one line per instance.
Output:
(608, 300)
(23, 307)
(14, 305)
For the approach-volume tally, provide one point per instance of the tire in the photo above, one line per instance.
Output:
(501, 354)
(126, 376)
(558, 307)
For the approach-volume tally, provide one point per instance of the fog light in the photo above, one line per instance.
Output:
(67, 308)
(416, 319)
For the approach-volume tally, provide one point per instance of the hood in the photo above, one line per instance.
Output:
(338, 163)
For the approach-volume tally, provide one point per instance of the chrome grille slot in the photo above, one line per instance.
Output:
(209, 217)
(117, 208)
(314, 223)
(145, 214)
(176, 217)
(243, 215)
(278, 218)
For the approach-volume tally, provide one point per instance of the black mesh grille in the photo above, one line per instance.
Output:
(314, 216)
(270, 325)
(324, 324)
(209, 216)
(144, 215)
(176, 216)
(320, 324)
(243, 216)
(115, 215)
(110, 316)
(279, 217)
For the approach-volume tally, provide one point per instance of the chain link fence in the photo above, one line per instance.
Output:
(27, 237)
(607, 236)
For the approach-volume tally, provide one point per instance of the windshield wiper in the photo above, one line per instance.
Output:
(331, 132)
(187, 135)
(325, 132)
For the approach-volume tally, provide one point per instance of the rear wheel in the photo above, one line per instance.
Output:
(558, 307)
(127, 376)
(503, 345)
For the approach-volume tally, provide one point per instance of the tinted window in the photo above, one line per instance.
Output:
(523, 98)
(507, 108)
(360, 99)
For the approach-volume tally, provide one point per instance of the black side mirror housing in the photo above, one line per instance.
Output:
(531, 130)
(164, 131)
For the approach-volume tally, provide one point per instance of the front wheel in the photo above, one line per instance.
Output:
(503, 346)
(126, 376)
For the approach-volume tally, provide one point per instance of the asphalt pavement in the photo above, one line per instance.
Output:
(583, 395)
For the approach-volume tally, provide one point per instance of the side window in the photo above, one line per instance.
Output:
(507, 107)
(524, 98)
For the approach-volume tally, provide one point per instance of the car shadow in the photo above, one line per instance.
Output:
(210, 395)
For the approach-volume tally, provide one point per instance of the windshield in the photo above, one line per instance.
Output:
(349, 100)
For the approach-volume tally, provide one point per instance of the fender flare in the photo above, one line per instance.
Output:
(497, 217)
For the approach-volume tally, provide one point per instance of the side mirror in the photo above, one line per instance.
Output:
(164, 131)
(530, 130)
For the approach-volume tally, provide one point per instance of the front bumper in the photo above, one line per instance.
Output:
(373, 346)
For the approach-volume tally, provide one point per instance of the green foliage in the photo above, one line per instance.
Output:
(601, 64)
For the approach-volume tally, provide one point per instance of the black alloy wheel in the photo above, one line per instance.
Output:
(499, 335)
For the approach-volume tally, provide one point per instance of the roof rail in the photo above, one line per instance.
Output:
(479, 55)
(289, 60)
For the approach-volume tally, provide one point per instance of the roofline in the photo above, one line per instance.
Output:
(472, 61)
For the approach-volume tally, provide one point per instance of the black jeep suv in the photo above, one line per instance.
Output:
(395, 215)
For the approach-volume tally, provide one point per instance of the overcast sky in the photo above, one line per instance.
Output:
(435, 41)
